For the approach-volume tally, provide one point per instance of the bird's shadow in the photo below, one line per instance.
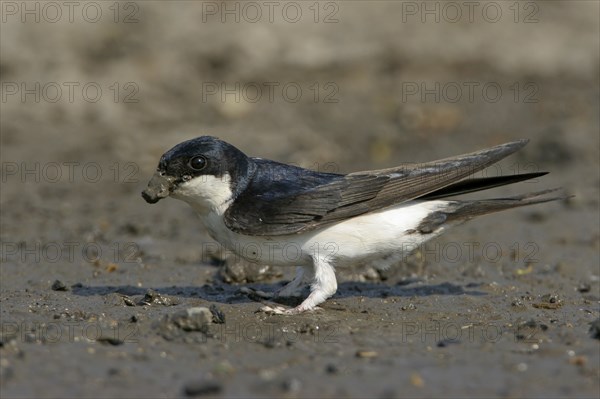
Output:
(227, 293)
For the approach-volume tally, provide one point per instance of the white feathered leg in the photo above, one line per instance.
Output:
(324, 285)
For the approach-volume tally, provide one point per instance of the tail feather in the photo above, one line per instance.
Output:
(469, 209)
(461, 211)
(471, 185)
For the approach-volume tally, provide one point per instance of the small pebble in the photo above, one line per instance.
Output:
(218, 317)
(550, 298)
(292, 385)
(517, 303)
(59, 286)
(193, 319)
(331, 369)
(110, 341)
(200, 388)
(128, 301)
(549, 301)
(584, 287)
(224, 367)
(416, 380)
(578, 361)
(179, 324)
(595, 328)
(366, 354)
(111, 267)
(445, 342)
(154, 298)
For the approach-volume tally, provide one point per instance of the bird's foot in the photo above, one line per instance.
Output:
(281, 310)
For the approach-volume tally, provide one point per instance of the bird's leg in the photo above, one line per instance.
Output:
(324, 285)
(291, 288)
(303, 275)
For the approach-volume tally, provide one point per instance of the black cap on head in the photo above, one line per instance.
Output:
(205, 155)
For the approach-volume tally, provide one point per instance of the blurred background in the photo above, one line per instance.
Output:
(360, 84)
(94, 92)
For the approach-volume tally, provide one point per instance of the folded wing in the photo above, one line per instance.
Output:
(316, 199)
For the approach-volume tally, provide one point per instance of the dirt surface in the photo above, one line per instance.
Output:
(103, 295)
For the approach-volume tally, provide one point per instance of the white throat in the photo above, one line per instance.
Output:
(206, 193)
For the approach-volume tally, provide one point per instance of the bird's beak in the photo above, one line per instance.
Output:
(159, 187)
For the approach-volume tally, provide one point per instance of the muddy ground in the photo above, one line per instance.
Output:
(96, 285)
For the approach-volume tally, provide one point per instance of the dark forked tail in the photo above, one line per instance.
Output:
(461, 211)
(471, 185)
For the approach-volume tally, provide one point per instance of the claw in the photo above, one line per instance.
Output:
(280, 310)
(271, 310)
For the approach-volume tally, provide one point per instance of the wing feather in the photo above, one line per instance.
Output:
(314, 199)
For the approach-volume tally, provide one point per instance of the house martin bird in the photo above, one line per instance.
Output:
(279, 214)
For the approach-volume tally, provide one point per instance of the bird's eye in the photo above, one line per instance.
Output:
(197, 162)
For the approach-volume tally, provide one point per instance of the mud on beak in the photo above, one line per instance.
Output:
(159, 187)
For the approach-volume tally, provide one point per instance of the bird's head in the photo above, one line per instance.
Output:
(204, 172)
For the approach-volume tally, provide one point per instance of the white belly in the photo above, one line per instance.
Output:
(362, 239)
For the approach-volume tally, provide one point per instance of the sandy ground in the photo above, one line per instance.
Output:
(95, 284)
